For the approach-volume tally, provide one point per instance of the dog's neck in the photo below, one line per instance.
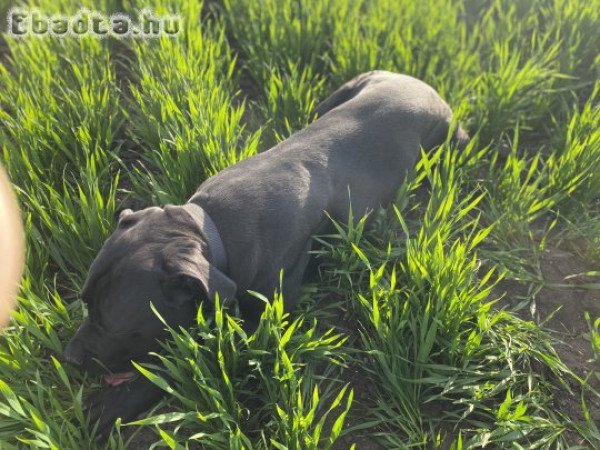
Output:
(211, 233)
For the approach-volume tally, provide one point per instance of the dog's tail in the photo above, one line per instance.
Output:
(460, 138)
(439, 134)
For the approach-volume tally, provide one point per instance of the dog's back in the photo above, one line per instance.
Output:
(368, 135)
(411, 95)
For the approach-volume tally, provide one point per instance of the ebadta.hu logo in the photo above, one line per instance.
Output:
(24, 22)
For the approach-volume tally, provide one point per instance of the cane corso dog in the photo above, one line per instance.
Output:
(243, 226)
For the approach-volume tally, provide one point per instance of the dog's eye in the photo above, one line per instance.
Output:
(94, 286)
(96, 318)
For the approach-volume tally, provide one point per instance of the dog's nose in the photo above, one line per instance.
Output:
(74, 353)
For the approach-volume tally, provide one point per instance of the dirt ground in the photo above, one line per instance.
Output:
(569, 304)
(560, 305)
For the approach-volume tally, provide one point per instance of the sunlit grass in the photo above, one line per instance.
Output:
(411, 294)
(271, 389)
(186, 114)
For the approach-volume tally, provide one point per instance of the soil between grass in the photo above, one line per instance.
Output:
(562, 311)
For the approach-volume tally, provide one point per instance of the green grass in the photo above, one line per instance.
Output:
(265, 388)
(408, 338)
(428, 324)
(186, 112)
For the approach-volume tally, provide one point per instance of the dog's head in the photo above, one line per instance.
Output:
(157, 256)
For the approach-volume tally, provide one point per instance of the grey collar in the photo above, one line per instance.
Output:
(211, 233)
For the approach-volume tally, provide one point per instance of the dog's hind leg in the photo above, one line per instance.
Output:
(292, 279)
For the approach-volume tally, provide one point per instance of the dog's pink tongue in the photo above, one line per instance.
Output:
(115, 379)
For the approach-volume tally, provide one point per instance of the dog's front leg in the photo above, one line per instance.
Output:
(126, 401)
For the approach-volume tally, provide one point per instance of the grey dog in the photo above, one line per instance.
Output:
(244, 225)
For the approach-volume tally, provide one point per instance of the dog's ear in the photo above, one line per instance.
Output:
(190, 274)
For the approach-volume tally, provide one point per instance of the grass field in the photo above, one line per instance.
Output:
(468, 316)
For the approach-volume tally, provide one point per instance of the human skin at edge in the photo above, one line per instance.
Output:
(11, 248)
